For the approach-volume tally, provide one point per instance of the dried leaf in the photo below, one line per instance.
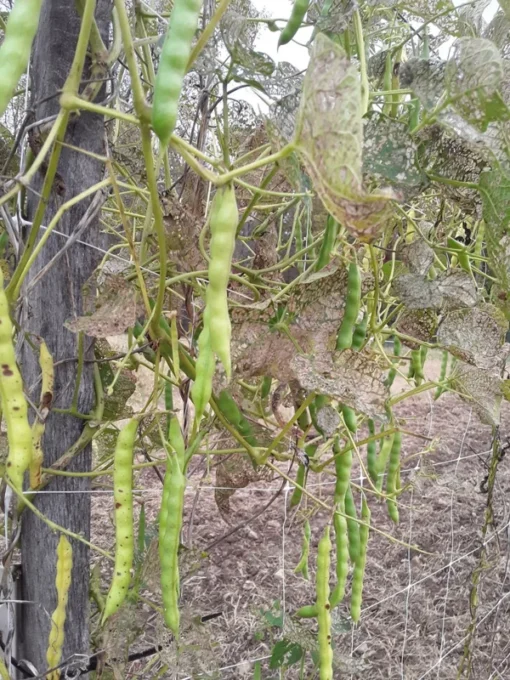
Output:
(238, 37)
(450, 290)
(335, 20)
(425, 78)
(390, 154)
(354, 378)
(418, 256)
(482, 388)
(329, 137)
(115, 310)
(114, 404)
(473, 75)
(417, 323)
(232, 473)
(328, 420)
(475, 335)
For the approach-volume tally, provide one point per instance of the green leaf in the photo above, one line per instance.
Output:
(285, 654)
(274, 619)
(329, 137)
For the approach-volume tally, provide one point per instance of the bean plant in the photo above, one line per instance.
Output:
(280, 276)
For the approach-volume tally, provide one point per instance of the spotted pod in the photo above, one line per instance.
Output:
(14, 403)
(324, 607)
(124, 532)
(58, 618)
(391, 479)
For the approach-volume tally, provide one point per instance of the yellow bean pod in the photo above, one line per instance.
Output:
(124, 534)
(58, 618)
(39, 425)
(14, 403)
(223, 224)
(324, 608)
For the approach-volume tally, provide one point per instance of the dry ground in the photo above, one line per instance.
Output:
(416, 606)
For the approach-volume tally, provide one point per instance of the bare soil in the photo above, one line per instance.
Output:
(417, 607)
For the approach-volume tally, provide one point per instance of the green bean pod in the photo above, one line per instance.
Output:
(416, 367)
(297, 494)
(343, 464)
(223, 223)
(124, 534)
(391, 479)
(14, 403)
(382, 459)
(351, 310)
(442, 376)
(360, 333)
(232, 412)
(350, 419)
(324, 607)
(173, 64)
(372, 454)
(342, 556)
(58, 618)
(314, 408)
(353, 530)
(309, 611)
(397, 348)
(292, 26)
(204, 372)
(359, 567)
(170, 525)
(15, 49)
(302, 566)
(266, 387)
(328, 242)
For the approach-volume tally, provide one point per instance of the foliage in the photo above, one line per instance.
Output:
(402, 144)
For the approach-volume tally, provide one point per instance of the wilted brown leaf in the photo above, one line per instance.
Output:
(329, 137)
(116, 310)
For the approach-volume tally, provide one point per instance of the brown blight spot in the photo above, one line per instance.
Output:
(6, 370)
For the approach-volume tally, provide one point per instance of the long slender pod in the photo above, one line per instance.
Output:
(302, 566)
(172, 66)
(442, 376)
(360, 333)
(324, 607)
(397, 348)
(372, 454)
(223, 224)
(202, 387)
(351, 310)
(359, 567)
(330, 234)
(353, 530)
(342, 556)
(15, 50)
(382, 459)
(124, 532)
(391, 479)
(299, 10)
(170, 525)
(14, 403)
(58, 618)
(39, 424)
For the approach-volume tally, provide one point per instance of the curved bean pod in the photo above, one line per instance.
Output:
(302, 566)
(353, 528)
(391, 479)
(351, 310)
(359, 567)
(172, 66)
(124, 534)
(170, 525)
(14, 403)
(58, 618)
(204, 372)
(382, 459)
(350, 419)
(15, 50)
(223, 223)
(360, 333)
(329, 239)
(299, 10)
(372, 454)
(324, 608)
